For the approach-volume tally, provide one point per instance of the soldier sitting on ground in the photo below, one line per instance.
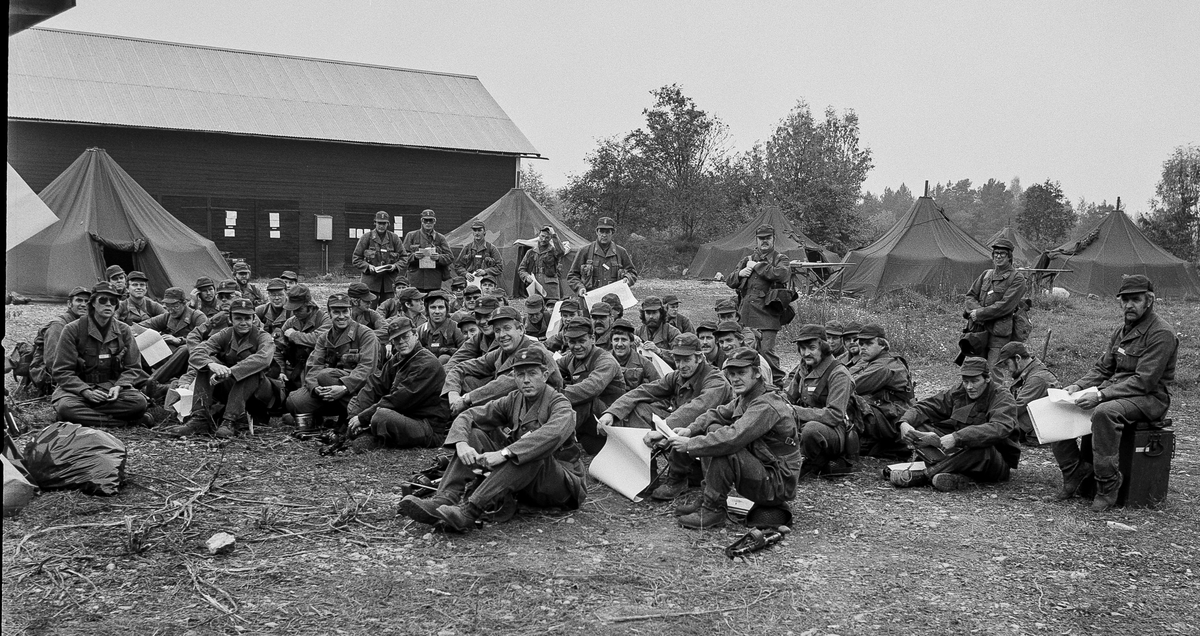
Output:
(248, 290)
(231, 378)
(635, 368)
(439, 334)
(175, 326)
(592, 379)
(749, 444)
(730, 335)
(602, 325)
(1031, 381)
(614, 303)
(674, 318)
(822, 391)
(96, 367)
(205, 299)
(850, 354)
(537, 317)
(834, 332)
(344, 357)
(272, 314)
(482, 342)
(401, 406)
(706, 333)
(136, 306)
(115, 276)
(965, 434)
(299, 337)
(525, 441)
(566, 311)
(45, 344)
(468, 324)
(655, 333)
(727, 311)
(361, 312)
(289, 277)
(885, 391)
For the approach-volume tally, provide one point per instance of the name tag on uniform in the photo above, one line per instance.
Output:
(810, 389)
(1121, 350)
(105, 356)
(506, 431)
(606, 266)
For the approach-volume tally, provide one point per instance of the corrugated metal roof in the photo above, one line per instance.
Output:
(68, 76)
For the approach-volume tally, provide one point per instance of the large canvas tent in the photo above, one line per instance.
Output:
(1026, 254)
(513, 223)
(106, 218)
(924, 251)
(722, 255)
(1117, 247)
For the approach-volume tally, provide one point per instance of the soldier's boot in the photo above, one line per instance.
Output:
(155, 391)
(689, 506)
(1108, 482)
(1072, 481)
(423, 510)
(195, 424)
(711, 514)
(226, 430)
(908, 478)
(674, 486)
(459, 518)
(947, 482)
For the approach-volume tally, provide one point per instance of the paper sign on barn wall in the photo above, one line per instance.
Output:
(230, 218)
(274, 220)
(230, 232)
(274, 233)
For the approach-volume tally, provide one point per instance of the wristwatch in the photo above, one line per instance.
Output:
(1099, 395)
(506, 453)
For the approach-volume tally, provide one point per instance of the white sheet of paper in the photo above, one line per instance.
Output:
(659, 364)
(534, 287)
(620, 288)
(1059, 395)
(1055, 418)
(908, 466)
(555, 320)
(739, 505)
(184, 405)
(154, 349)
(661, 426)
(624, 462)
(230, 232)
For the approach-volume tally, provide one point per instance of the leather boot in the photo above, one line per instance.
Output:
(1072, 481)
(1108, 482)
(423, 510)
(712, 514)
(459, 518)
(195, 424)
(674, 486)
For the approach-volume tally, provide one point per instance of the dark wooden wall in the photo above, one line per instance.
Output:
(198, 177)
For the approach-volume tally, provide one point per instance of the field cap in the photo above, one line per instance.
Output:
(535, 303)
(436, 295)
(458, 281)
(622, 324)
(289, 275)
(486, 305)
(505, 313)
(569, 305)
(427, 214)
(113, 270)
(810, 332)
(472, 289)
(241, 306)
(728, 326)
(398, 326)
(464, 317)
(298, 296)
(382, 216)
(708, 325)
(84, 291)
(409, 293)
(338, 300)
(360, 291)
(1012, 350)
(1003, 244)
(834, 328)
(741, 357)
(728, 304)
(136, 275)
(1135, 284)
(601, 309)
(974, 366)
(487, 277)
(853, 328)
(670, 299)
(530, 357)
(652, 303)
(228, 286)
(685, 344)
(577, 326)
(240, 266)
(104, 287)
(764, 230)
(478, 225)
(606, 223)
(173, 293)
(872, 330)
(276, 284)
(612, 300)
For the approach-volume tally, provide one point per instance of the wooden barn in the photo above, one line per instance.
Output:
(280, 160)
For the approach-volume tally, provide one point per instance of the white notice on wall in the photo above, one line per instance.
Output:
(230, 217)
(274, 216)
(274, 233)
(230, 232)
(397, 224)
(352, 232)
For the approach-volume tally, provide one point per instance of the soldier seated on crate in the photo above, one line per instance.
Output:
(401, 406)
(1133, 376)
(96, 367)
(231, 377)
(439, 333)
(1030, 381)
(299, 335)
(749, 444)
(592, 380)
(339, 365)
(523, 442)
(884, 388)
(635, 368)
(822, 391)
(965, 434)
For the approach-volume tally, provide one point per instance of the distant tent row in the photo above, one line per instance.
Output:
(721, 256)
(106, 218)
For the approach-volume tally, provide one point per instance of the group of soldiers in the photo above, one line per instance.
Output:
(400, 362)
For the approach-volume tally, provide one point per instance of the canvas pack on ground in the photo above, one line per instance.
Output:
(67, 456)
(1145, 463)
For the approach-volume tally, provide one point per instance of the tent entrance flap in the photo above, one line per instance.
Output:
(113, 256)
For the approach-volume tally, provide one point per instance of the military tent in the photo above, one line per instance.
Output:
(1026, 254)
(26, 214)
(106, 218)
(722, 255)
(1117, 247)
(924, 251)
(512, 224)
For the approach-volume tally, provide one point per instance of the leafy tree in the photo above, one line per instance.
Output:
(1089, 215)
(1174, 222)
(879, 214)
(614, 185)
(816, 170)
(1046, 215)
(997, 209)
(958, 200)
(532, 182)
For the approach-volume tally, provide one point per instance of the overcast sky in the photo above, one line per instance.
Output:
(1092, 94)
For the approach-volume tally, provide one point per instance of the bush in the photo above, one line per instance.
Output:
(661, 257)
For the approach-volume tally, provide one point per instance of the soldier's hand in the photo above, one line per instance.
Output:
(948, 442)
(219, 372)
(492, 459)
(582, 291)
(929, 439)
(651, 438)
(112, 394)
(333, 392)
(678, 444)
(466, 454)
(1088, 401)
(1074, 388)
(746, 271)
(604, 422)
(354, 427)
(683, 431)
(172, 340)
(649, 346)
(94, 395)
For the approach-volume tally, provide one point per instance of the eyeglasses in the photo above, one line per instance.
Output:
(427, 221)
(224, 295)
(106, 300)
(172, 305)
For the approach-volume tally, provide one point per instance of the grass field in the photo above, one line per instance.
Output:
(321, 551)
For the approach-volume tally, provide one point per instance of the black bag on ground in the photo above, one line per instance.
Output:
(779, 301)
(67, 456)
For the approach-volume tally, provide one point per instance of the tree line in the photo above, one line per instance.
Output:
(677, 179)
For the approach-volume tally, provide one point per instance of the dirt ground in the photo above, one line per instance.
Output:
(320, 549)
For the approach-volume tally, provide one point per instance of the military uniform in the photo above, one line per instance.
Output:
(292, 352)
(444, 341)
(545, 265)
(475, 256)
(770, 271)
(209, 309)
(379, 249)
(636, 368)
(427, 279)
(661, 337)
(676, 399)
(823, 397)
(491, 373)
(591, 384)
(251, 292)
(247, 391)
(681, 323)
(884, 388)
(596, 266)
(191, 320)
(132, 312)
(45, 347)
(90, 357)
(537, 329)
(402, 405)
(345, 357)
(1029, 384)
(998, 295)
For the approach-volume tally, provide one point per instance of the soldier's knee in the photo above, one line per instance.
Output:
(329, 377)
(298, 401)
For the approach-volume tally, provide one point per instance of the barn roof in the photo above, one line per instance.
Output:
(68, 76)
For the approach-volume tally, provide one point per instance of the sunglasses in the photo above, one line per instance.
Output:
(106, 300)
(428, 221)
(172, 305)
(224, 295)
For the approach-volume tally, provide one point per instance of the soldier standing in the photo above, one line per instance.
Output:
(755, 275)
(429, 255)
(479, 257)
(996, 301)
(601, 262)
(379, 255)
(544, 262)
